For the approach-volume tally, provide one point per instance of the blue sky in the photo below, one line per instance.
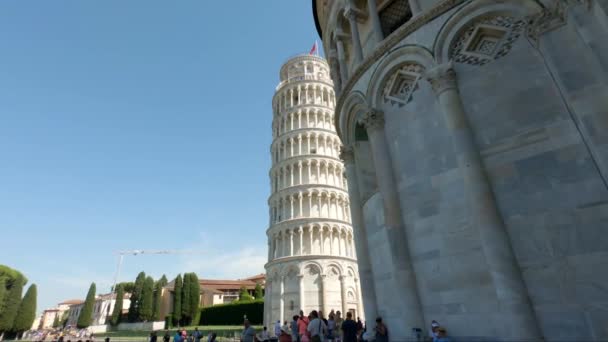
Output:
(138, 124)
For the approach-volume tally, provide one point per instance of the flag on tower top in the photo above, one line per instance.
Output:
(313, 51)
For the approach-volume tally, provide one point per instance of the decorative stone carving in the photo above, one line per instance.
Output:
(547, 20)
(347, 154)
(402, 84)
(486, 39)
(373, 119)
(442, 78)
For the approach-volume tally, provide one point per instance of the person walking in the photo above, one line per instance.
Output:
(316, 327)
(248, 334)
(294, 329)
(338, 330)
(264, 336)
(166, 337)
(331, 326)
(433, 330)
(178, 336)
(441, 336)
(349, 329)
(381, 331)
(153, 336)
(197, 335)
(302, 326)
(277, 329)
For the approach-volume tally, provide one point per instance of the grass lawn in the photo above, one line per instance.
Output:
(125, 335)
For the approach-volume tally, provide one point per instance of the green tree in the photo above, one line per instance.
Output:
(12, 301)
(190, 297)
(258, 293)
(136, 297)
(146, 303)
(56, 322)
(177, 300)
(244, 295)
(27, 311)
(86, 314)
(64, 319)
(158, 291)
(186, 298)
(117, 313)
(127, 286)
(195, 297)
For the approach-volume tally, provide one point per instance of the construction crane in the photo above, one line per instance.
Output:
(135, 252)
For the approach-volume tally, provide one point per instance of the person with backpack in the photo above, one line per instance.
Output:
(316, 327)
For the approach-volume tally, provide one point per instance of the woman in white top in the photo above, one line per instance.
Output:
(316, 327)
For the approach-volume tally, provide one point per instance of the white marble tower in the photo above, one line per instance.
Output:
(311, 254)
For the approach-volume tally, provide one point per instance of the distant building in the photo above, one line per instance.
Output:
(48, 316)
(213, 291)
(103, 308)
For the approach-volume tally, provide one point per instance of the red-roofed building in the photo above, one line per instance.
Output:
(214, 291)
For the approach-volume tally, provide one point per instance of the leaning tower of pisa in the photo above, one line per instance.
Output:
(311, 254)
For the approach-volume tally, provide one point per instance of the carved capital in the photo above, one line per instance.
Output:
(549, 19)
(353, 14)
(339, 36)
(442, 78)
(347, 154)
(373, 120)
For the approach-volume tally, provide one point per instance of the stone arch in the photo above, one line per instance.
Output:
(391, 64)
(354, 106)
(337, 266)
(467, 15)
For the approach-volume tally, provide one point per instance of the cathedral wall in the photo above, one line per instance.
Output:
(538, 116)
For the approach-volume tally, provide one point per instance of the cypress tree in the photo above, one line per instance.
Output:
(27, 311)
(158, 291)
(259, 293)
(194, 297)
(177, 300)
(186, 299)
(12, 301)
(117, 313)
(86, 314)
(136, 297)
(146, 309)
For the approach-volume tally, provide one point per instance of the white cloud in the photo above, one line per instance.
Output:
(220, 258)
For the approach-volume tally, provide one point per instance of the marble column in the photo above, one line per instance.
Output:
(334, 70)
(351, 15)
(324, 306)
(301, 231)
(404, 279)
(282, 300)
(268, 301)
(504, 270)
(343, 295)
(374, 17)
(341, 58)
(311, 231)
(360, 304)
(363, 260)
(269, 249)
(301, 288)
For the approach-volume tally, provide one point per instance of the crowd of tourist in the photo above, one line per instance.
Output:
(315, 327)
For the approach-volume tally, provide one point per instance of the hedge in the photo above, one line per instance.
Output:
(233, 313)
